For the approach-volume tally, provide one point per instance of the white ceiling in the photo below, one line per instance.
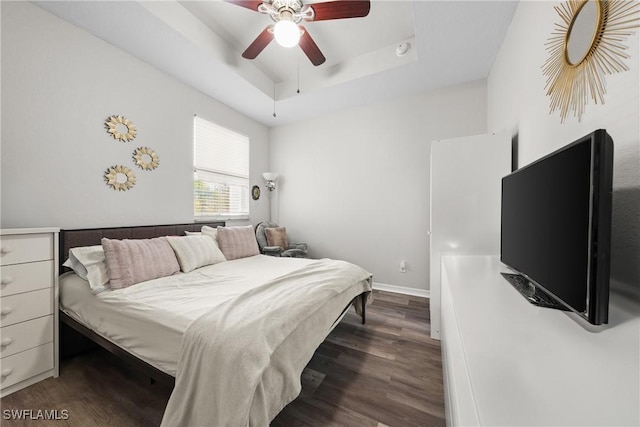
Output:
(201, 42)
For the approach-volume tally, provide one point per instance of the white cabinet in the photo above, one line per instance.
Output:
(28, 307)
(466, 187)
(508, 362)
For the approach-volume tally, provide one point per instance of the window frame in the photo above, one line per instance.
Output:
(244, 198)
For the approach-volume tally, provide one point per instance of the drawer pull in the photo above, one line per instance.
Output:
(6, 249)
(6, 372)
(5, 342)
(6, 311)
(6, 280)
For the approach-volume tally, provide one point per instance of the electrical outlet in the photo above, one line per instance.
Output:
(403, 266)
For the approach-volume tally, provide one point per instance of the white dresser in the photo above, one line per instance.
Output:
(28, 307)
(510, 363)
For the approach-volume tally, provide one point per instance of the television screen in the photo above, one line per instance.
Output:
(556, 224)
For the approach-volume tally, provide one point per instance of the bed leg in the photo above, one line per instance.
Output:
(363, 297)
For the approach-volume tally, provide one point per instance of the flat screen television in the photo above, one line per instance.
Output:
(556, 227)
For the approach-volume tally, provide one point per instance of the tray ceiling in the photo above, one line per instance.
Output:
(201, 42)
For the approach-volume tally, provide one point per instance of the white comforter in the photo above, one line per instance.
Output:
(241, 361)
(150, 318)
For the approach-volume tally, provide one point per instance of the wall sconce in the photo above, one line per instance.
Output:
(271, 179)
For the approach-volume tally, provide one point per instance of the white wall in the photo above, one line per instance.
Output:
(59, 84)
(517, 102)
(355, 184)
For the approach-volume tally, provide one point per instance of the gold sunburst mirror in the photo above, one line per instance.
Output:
(121, 128)
(146, 158)
(584, 47)
(120, 178)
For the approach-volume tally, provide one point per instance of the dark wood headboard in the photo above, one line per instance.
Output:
(93, 236)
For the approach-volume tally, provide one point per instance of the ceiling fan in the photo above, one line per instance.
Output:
(287, 15)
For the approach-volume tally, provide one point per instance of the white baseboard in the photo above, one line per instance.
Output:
(424, 293)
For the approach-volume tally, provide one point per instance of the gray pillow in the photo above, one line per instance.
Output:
(237, 242)
(277, 237)
(134, 261)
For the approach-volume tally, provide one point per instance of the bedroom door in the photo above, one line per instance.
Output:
(466, 178)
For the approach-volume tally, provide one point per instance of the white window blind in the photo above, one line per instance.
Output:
(221, 172)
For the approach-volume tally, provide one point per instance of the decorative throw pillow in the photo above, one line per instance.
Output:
(134, 261)
(195, 251)
(237, 242)
(211, 232)
(88, 263)
(277, 237)
(192, 233)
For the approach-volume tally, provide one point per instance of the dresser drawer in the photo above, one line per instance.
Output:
(26, 306)
(26, 364)
(25, 335)
(19, 248)
(18, 278)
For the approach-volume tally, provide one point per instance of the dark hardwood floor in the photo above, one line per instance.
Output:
(385, 373)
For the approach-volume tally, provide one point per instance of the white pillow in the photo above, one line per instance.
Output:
(211, 232)
(192, 233)
(195, 251)
(88, 262)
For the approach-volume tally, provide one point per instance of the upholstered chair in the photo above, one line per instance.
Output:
(273, 241)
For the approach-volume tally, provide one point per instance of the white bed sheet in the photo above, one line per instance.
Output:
(149, 319)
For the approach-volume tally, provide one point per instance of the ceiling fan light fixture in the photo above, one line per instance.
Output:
(286, 33)
(288, 14)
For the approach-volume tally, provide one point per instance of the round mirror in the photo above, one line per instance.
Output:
(121, 178)
(121, 129)
(582, 32)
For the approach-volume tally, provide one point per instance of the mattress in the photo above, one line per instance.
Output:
(149, 319)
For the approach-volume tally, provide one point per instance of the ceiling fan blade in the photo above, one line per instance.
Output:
(310, 48)
(258, 45)
(249, 4)
(340, 9)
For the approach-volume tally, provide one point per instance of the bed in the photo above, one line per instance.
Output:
(233, 337)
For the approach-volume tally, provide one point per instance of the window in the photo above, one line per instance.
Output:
(220, 172)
